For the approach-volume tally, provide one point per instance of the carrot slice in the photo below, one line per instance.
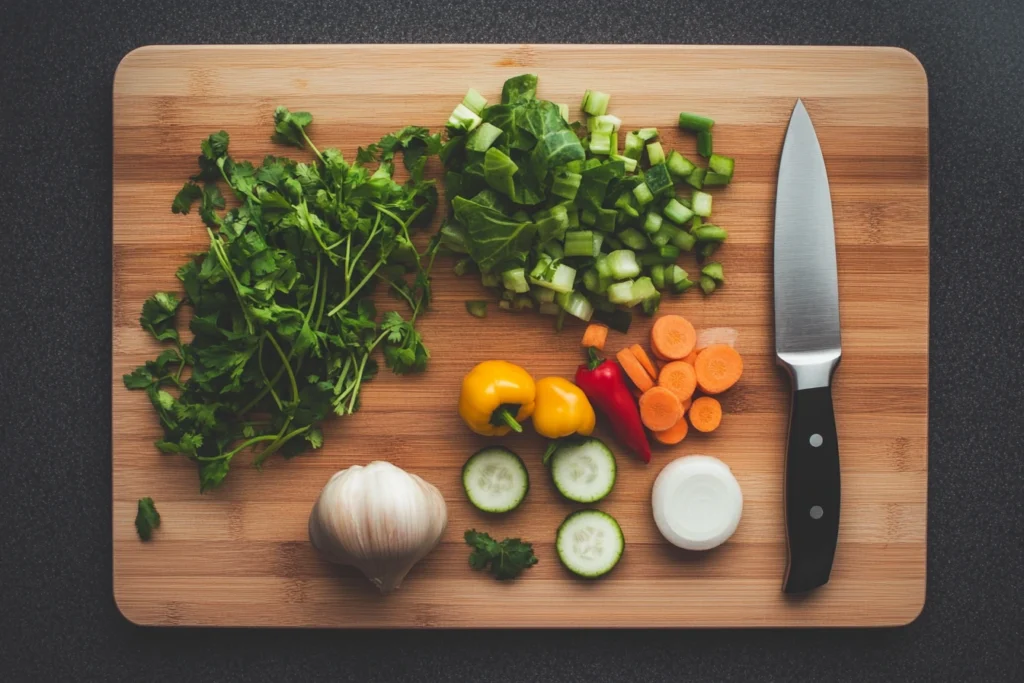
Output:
(706, 414)
(686, 405)
(692, 358)
(595, 336)
(718, 367)
(660, 409)
(679, 378)
(644, 359)
(673, 337)
(634, 370)
(673, 434)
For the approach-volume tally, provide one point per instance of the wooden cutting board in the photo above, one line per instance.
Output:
(240, 556)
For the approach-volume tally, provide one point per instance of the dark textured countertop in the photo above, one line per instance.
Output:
(57, 616)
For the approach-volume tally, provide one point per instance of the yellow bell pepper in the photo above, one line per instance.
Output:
(562, 409)
(496, 397)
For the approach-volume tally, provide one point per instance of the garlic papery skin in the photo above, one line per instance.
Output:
(379, 519)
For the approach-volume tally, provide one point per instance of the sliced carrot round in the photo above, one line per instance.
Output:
(706, 414)
(673, 434)
(679, 378)
(660, 409)
(673, 337)
(718, 367)
(644, 359)
(634, 370)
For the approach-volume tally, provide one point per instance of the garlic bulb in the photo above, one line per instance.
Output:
(379, 519)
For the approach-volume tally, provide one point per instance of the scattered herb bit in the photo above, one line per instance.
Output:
(284, 328)
(506, 560)
(147, 519)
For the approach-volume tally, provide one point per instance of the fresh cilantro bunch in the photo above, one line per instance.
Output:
(505, 559)
(283, 325)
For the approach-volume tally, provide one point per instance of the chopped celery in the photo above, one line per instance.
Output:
(603, 283)
(707, 284)
(601, 143)
(704, 143)
(507, 295)
(701, 203)
(658, 179)
(515, 280)
(650, 305)
(664, 235)
(606, 219)
(710, 233)
(574, 166)
(677, 213)
(653, 258)
(577, 305)
(706, 250)
(633, 146)
(695, 122)
(554, 249)
(588, 218)
(591, 163)
(658, 276)
(643, 195)
(615, 318)
(522, 303)
(695, 223)
(498, 171)
(542, 269)
(474, 101)
(592, 281)
(560, 319)
(573, 214)
(683, 240)
(627, 212)
(621, 292)
(669, 251)
(633, 239)
(605, 123)
(505, 305)
(652, 222)
(655, 153)
(464, 118)
(549, 308)
(595, 102)
(565, 184)
(721, 165)
(679, 166)
(483, 137)
(648, 134)
(490, 279)
(714, 271)
(579, 243)
(477, 309)
(601, 264)
(712, 179)
(629, 164)
(642, 288)
(563, 110)
(696, 178)
(622, 264)
(543, 295)
(598, 241)
(612, 242)
(560, 280)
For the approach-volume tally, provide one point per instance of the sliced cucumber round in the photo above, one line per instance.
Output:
(589, 543)
(583, 470)
(495, 479)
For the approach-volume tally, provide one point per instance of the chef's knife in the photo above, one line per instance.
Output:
(807, 344)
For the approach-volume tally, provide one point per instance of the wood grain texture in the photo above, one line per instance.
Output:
(240, 556)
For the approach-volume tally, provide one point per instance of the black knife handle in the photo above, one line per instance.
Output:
(812, 490)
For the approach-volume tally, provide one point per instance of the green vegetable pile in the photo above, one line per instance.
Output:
(283, 321)
(562, 219)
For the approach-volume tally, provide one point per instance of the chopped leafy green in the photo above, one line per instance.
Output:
(505, 560)
(284, 330)
(146, 519)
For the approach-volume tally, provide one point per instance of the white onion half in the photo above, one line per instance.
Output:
(697, 502)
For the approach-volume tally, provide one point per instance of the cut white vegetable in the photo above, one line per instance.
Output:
(589, 543)
(697, 502)
(583, 471)
(495, 479)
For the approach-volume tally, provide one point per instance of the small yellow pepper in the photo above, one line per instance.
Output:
(496, 397)
(562, 409)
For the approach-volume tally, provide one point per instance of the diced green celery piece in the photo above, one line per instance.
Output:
(605, 123)
(701, 203)
(563, 110)
(655, 153)
(683, 240)
(606, 219)
(477, 309)
(648, 134)
(658, 276)
(591, 280)
(601, 264)
(721, 165)
(707, 284)
(592, 163)
(652, 222)
(579, 243)
(574, 166)
(653, 258)
(474, 101)
(643, 195)
(621, 292)
(464, 118)
(633, 146)
(522, 303)
(543, 295)
(588, 218)
(714, 271)
(622, 264)
(696, 178)
(658, 179)
(704, 144)
(710, 233)
(566, 184)
(712, 179)
(515, 280)
(601, 143)
(677, 213)
(695, 122)
(595, 102)
(650, 305)
(554, 249)
(679, 166)
(613, 243)
(669, 251)
(629, 164)
(642, 289)
(483, 137)
(665, 235)
(578, 306)
(633, 239)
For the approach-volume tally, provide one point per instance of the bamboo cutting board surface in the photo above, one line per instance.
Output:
(239, 555)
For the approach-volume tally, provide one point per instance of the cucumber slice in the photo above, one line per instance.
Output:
(589, 543)
(495, 479)
(583, 471)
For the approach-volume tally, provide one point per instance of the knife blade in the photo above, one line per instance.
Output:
(808, 346)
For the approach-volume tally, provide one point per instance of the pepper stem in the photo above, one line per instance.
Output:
(505, 416)
(593, 360)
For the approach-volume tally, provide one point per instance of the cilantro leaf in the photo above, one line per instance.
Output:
(186, 197)
(505, 560)
(147, 519)
(289, 127)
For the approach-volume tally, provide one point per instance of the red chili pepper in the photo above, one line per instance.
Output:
(603, 383)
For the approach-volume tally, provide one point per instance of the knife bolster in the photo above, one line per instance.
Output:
(810, 369)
